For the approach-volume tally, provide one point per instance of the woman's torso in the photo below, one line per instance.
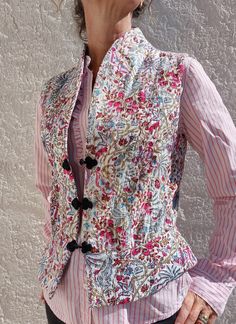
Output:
(70, 302)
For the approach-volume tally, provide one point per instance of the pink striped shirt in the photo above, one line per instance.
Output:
(209, 129)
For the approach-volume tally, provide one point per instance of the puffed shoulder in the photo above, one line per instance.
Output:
(194, 69)
(197, 77)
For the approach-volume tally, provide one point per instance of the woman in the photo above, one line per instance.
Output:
(111, 203)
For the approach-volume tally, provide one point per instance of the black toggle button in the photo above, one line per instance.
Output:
(86, 203)
(66, 165)
(71, 246)
(90, 163)
(86, 247)
(76, 203)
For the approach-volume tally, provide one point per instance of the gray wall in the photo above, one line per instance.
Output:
(37, 42)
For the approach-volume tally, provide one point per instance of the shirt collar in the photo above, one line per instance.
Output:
(87, 59)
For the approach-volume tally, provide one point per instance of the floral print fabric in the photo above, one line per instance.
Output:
(134, 134)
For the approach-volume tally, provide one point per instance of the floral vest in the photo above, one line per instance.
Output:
(134, 153)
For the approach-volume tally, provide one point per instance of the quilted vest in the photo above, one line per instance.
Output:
(134, 154)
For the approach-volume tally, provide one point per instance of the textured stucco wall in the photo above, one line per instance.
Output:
(36, 42)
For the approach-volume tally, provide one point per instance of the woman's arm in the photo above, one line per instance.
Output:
(210, 130)
(42, 172)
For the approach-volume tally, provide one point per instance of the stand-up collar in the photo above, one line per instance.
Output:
(125, 39)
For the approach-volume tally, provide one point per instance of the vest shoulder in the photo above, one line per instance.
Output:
(59, 79)
(174, 56)
(167, 58)
(178, 57)
(54, 86)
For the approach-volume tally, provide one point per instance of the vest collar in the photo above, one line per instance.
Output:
(123, 56)
(126, 44)
(126, 39)
(123, 50)
(118, 66)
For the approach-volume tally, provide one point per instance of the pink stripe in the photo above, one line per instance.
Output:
(193, 88)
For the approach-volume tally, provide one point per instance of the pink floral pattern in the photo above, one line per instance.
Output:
(134, 134)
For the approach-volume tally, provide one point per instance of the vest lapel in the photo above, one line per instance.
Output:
(110, 74)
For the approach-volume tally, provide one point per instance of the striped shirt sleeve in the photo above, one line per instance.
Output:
(210, 131)
(42, 172)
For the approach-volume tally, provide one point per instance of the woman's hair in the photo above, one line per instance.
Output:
(80, 18)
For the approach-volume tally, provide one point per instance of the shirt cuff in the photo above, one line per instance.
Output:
(215, 293)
